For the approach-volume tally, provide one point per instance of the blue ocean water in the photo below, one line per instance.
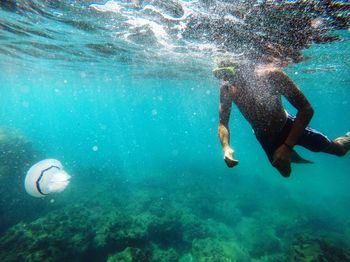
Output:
(135, 124)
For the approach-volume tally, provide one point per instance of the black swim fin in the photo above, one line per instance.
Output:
(296, 158)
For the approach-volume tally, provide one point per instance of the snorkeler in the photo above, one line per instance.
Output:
(257, 89)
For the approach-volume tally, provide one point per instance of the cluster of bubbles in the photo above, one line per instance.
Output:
(204, 28)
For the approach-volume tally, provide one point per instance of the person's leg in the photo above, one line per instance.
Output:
(339, 146)
(318, 142)
(269, 145)
(272, 142)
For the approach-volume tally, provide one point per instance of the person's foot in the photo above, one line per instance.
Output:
(344, 142)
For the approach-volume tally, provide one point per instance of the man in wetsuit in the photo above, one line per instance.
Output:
(257, 89)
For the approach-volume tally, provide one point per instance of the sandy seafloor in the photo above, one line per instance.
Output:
(148, 180)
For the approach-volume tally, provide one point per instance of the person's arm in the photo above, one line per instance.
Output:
(282, 155)
(223, 129)
(305, 112)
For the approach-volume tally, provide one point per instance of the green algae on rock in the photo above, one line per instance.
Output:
(54, 237)
(17, 154)
(215, 250)
(308, 249)
(129, 255)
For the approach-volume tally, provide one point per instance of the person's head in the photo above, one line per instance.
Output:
(226, 69)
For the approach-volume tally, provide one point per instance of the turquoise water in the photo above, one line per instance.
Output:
(135, 125)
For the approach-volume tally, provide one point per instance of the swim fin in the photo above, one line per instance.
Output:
(296, 158)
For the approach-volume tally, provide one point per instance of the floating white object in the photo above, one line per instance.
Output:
(46, 177)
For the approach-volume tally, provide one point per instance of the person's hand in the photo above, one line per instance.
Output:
(282, 160)
(229, 158)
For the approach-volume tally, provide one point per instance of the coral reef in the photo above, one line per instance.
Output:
(214, 250)
(16, 156)
(307, 249)
(161, 223)
(158, 225)
(128, 255)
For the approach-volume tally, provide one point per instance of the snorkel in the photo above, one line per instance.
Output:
(226, 68)
(224, 72)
